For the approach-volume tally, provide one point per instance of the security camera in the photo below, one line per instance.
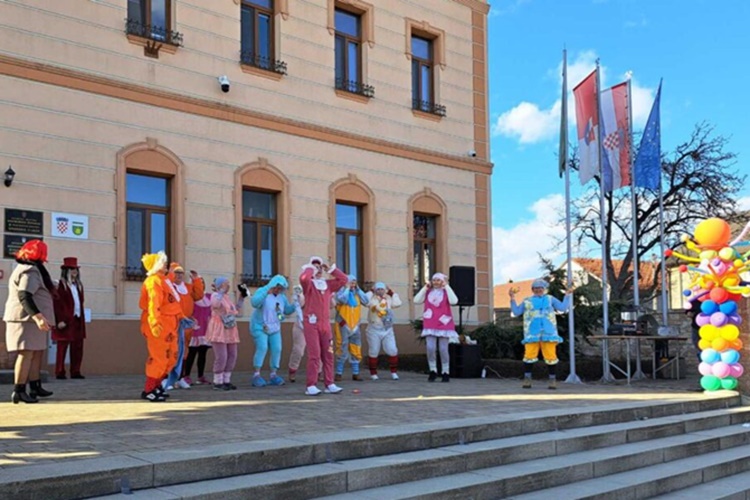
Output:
(472, 153)
(224, 82)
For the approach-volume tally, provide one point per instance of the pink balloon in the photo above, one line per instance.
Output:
(705, 369)
(719, 319)
(721, 369)
(702, 319)
(736, 369)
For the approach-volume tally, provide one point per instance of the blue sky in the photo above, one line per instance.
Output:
(699, 47)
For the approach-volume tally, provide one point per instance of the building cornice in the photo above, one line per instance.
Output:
(110, 87)
(475, 5)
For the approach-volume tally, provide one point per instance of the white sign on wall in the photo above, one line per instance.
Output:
(70, 226)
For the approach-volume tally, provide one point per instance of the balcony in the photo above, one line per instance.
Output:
(254, 280)
(355, 87)
(428, 107)
(134, 27)
(133, 273)
(262, 62)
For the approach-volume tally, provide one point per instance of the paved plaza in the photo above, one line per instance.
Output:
(99, 417)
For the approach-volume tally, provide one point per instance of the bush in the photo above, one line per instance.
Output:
(499, 341)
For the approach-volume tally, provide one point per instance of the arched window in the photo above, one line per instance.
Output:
(427, 226)
(352, 216)
(150, 209)
(261, 223)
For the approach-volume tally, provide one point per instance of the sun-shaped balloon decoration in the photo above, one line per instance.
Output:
(716, 282)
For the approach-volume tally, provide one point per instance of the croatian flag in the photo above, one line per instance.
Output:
(615, 137)
(587, 123)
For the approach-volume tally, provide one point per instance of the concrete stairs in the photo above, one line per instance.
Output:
(618, 451)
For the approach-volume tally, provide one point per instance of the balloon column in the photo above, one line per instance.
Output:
(717, 285)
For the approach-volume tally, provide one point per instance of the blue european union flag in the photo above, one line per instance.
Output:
(647, 168)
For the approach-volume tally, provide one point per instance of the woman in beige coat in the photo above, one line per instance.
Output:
(29, 312)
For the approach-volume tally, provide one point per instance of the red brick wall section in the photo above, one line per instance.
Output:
(744, 309)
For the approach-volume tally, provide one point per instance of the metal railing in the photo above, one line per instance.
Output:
(157, 33)
(262, 62)
(355, 87)
(428, 107)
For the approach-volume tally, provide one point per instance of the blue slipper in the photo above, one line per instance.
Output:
(276, 380)
(259, 381)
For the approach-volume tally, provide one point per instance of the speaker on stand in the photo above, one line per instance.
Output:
(463, 282)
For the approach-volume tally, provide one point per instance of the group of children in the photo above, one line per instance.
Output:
(177, 315)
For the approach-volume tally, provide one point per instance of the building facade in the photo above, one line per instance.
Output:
(243, 136)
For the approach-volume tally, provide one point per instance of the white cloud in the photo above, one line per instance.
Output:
(744, 203)
(516, 250)
(530, 123)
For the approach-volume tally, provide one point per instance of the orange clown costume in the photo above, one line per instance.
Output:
(189, 293)
(160, 317)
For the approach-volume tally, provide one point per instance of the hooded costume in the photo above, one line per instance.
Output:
(347, 336)
(317, 322)
(223, 334)
(160, 316)
(437, 323)
(380, 328)
(540, 329)
(265, 327)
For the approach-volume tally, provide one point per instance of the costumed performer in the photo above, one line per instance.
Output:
(540, 328)
(271, 306)
(317, 321)
(70, 329)
(381, 303)
(222, 332)
(198, 345)
(437, 322)
(347, 337)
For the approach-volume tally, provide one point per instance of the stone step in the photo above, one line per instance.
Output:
(389, 476)
(92, 477)
(734, 487)
(673, 477)
(620, 472)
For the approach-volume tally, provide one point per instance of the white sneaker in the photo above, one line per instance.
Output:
(374, 377)
(394, 376)
(312, 391)
(169, 388)
(182, 384)
(333, 389)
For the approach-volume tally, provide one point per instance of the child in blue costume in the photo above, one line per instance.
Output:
(347, 337)
(271, 305)
(539, 328)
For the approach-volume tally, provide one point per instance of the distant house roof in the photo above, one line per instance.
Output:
(500, 292)
(646, 270)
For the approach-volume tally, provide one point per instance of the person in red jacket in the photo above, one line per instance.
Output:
(70, 328)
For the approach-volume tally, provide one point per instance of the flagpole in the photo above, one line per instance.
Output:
(664, 315)
(633, 202)
(607, 374)
(573, 376)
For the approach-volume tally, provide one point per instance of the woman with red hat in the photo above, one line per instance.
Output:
(70, 329)
(29, 314)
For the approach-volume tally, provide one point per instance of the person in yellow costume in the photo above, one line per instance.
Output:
(347, 336)
(160, 316)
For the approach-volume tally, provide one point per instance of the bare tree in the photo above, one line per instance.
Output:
(698, 181)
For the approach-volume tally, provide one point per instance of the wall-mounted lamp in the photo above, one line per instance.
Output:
(9, 175)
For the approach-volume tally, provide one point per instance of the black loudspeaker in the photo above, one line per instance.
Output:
(463, 283)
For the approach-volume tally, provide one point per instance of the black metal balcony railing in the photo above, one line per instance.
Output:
(157, 33)
(134, 273)
(428, 107)
(262, 62)
(254, 280)
(355, 87)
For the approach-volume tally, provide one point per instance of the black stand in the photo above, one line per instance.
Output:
(460, 320)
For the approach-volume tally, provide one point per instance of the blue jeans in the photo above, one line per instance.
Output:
(174, 374)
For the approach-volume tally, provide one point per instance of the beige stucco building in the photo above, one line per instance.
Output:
(345, 124)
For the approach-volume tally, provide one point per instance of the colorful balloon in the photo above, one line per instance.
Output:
(729, 332)
(709, 307)
(729, 383)
(719, 295)
(708, 332)
(705, 369)
(721, 369)
(719, 344)
(710, 356)
(729, 307)
(702, 319)
(712, 234)
(730, 356)
(704, 344)
(737, 370)
(710, 382)
(719, 319)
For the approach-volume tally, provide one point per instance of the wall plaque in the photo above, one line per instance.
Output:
(24, 221)
(13, 242)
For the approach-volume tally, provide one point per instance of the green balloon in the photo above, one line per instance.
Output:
(711, 382)
(729, 383)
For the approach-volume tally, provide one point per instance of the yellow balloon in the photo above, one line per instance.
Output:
(733, 281)
(738, 263)
(708, 332)
(707, 255)
(719, 344)
(726, 254)
(729, 332)
(704, 344)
